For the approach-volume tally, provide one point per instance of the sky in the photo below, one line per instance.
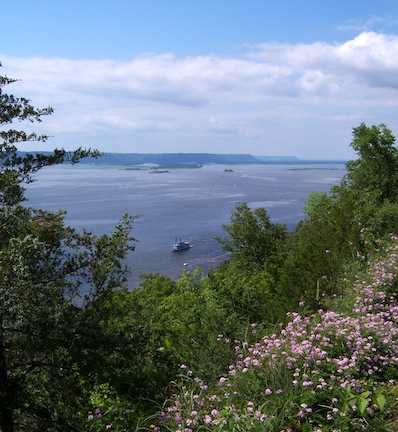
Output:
(264, 77)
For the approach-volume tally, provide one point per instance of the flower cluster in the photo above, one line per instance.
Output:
(331, 371)
(96, 418)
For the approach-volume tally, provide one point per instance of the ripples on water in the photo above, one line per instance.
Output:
(188, 203)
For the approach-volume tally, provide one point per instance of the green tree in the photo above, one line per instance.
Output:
(44, 268)
(253, 239)
(17, 168)
(316, 252)
(374, 178)
(248, 296)
(183, 320)
(345, 222)
(376, 169)
(135, 363)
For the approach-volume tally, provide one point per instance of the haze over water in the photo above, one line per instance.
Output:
(189, 203)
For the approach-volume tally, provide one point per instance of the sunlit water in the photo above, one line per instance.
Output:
(189, 203)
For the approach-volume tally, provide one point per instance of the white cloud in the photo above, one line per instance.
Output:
(370, 57)
(300, 99)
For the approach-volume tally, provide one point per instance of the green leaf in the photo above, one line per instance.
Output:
(380, 401)
(363, 404)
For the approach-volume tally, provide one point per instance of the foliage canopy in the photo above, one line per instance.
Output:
(51, 277)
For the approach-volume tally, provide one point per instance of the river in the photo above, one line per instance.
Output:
(191, 203)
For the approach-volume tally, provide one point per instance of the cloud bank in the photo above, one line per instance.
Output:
(272, 99)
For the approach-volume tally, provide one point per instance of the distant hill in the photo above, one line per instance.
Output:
(190, 160)
(171, 159)
(277, 159)
(175, 159)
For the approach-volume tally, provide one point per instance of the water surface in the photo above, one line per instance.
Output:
(189, 203)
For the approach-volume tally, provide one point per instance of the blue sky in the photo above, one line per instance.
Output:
(266, 77)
